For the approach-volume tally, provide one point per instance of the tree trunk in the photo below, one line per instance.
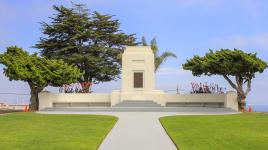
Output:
(34, 101)
(241, 99)
(241, 95)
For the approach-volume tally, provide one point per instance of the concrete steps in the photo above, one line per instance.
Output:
(137, 103)
(137, 106)
(138, 109)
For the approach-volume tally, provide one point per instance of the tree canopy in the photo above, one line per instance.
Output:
(38, 72)
(90, 40)
(225, 62)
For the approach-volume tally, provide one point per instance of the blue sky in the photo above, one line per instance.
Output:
(186, 27)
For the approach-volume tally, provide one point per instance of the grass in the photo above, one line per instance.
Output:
(32, 131)
(247, 131)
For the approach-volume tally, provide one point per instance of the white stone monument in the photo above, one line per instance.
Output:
(138, 69)
(138, 85)
(138, 73)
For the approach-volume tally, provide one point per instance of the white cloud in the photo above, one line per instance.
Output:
(171, 71)
(238, 41)
(231, 41)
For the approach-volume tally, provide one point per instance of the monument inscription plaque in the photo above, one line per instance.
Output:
(138, 79)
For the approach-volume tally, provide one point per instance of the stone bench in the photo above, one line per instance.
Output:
(195, 104)
(81, 104)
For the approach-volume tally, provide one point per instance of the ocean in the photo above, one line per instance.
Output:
(259, 108)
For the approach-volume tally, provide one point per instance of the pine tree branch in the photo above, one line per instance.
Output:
(248, 87)
(230, 81)
(239, 81)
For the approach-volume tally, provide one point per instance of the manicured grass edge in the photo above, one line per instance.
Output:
(109, 129)
(159, 119)
(116, 120)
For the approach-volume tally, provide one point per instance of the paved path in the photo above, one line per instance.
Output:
(138, 130)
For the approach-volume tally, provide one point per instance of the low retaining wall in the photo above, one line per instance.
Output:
(189, 98)
(48, 100)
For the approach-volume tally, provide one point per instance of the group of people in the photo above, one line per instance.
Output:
(77, 87)
(205, 88)
(85, 87)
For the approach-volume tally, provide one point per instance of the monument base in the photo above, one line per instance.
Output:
(71, 100)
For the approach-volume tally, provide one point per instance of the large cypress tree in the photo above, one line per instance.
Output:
(37, 71)
(91, 41)
(229, 63)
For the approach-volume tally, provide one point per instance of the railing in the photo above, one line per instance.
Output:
(15, 98)
(178, 91)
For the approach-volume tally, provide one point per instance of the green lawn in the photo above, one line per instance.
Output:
(247, 131)
(31, 131)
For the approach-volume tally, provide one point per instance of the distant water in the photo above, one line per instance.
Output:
(259, 108)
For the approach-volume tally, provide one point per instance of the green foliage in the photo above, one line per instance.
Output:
(90, 41)
(159, 59)
(38, 72)
(143, 41)
(225, 62)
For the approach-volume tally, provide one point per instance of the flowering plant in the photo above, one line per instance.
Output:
(86, 87)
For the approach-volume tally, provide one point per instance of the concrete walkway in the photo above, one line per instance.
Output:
(139, 130)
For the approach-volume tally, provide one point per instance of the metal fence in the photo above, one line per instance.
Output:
(15, 98)
(178, 90)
